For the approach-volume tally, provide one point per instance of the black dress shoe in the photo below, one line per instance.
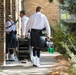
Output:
(34, 65)
(10, 60)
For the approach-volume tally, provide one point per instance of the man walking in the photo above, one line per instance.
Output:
(37, 22)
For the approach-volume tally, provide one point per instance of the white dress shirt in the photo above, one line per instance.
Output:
(38, 21)
(12, 28)
(24, 20)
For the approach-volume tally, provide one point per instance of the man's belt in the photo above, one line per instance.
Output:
(42, 31)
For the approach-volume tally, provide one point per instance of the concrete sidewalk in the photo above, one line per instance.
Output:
(17, 68)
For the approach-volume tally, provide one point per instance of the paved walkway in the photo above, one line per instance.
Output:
(17, 68)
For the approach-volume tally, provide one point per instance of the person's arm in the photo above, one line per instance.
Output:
(28, 26)
(24, 21)
(46, 23)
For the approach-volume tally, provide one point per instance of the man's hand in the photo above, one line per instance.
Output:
(26, 36)
(49, 38)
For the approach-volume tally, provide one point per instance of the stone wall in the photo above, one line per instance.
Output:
(51, 10)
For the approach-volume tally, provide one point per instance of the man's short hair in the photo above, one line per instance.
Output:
(38, 8)
(23, 12)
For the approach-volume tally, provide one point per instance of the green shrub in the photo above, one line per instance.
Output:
(58, 36)
(61, 33)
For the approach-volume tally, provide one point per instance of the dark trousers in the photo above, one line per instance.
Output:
(36, 52)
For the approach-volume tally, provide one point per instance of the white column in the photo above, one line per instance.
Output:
(16, 12)
(4, 32)
(19, 22)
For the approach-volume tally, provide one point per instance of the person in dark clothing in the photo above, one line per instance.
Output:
(11, 41)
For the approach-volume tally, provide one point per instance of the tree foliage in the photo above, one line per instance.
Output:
(69, 5)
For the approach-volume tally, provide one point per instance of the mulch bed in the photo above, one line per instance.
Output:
(62, 67)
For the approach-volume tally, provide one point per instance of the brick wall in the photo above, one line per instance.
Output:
(7, 8)
(51, 10)
(13, 9)
(10, 8)
(2, 34)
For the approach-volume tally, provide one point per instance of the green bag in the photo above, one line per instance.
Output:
(51, 50)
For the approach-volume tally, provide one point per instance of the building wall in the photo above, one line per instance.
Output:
(2, 34)
(51, 10)
(13, 9)
(10, 8)
(7, 4)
